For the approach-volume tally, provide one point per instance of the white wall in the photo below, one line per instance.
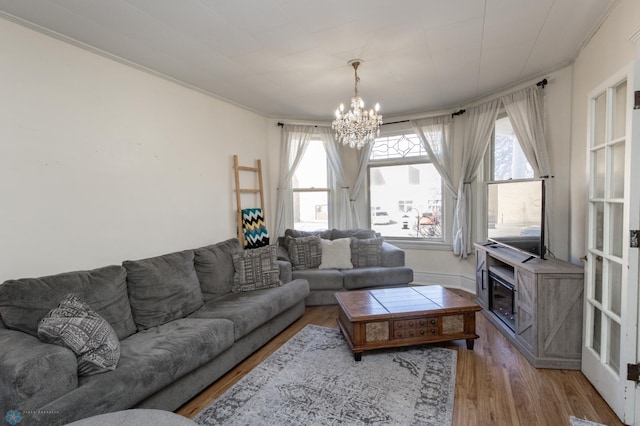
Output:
(101, 162)
(607, 52)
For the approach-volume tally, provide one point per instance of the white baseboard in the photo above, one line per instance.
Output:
(445, 280)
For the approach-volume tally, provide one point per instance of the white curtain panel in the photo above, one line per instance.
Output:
(340, 212)
(525, 110)
(480, 121)
(435, 135)
(295, 139)
(363, 155)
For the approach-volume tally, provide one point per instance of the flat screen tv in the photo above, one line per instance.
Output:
(515, 215)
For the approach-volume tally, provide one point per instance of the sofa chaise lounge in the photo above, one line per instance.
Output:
(178, 323)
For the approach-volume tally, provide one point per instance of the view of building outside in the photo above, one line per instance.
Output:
(509, 162)
(310, 196)
(406, 201)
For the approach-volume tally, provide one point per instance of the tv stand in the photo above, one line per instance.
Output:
(545, 320)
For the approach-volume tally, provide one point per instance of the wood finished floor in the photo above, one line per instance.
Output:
(495, 384)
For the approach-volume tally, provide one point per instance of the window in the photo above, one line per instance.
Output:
(405, 190)
(507, 159)
(310, 190)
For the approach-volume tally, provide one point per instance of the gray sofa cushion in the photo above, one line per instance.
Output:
(352, 233)
(294, 233)
(74, 325)
(376, 276)
(214, 267)
(163, 288)
(366, 252)
(256, 269)
(33, 373)
(24, 302)
(249, 310)
(304, 252)
(151, 359)
(320, 279)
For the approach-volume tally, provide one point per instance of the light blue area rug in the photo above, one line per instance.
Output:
(313, 380)
(581, 422)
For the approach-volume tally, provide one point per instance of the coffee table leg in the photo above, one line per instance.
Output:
(470, 344)
(357, 356)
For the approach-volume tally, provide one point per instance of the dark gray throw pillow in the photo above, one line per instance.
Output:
(73, 324)
(355, 233)
(366, 252)
(163, 288)
(304, 252)
(256, 269)
(214, 266)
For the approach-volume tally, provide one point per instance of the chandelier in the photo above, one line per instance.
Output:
(357, 126)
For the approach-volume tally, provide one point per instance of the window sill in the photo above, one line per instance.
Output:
(418, 244)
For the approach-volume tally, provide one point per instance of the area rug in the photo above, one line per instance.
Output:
(313, 380)
(582, 422)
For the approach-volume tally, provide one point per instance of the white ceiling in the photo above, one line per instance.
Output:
(288, 58)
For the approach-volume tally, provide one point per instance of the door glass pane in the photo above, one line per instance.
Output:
(615, 229)
(615, 285)
(619, 111)
(599, 115)
(598, 279)
(614, 345)
(598, 225)
(617, 174)
(597, 328)
(598, 173)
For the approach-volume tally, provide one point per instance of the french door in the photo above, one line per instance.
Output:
(611, 271)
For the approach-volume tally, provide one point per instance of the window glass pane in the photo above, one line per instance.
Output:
(620, 111)
(598, 225)
(406, 200)
(392, 147)
(509, 161)
(597, 328)
(617, 179)
(599, 116)
(598, 173)
(614, 345)
(312, 171)
(615, 287)
(310, 210)
(615, 229)
(598, 280)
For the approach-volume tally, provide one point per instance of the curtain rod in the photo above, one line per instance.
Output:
(542, 83)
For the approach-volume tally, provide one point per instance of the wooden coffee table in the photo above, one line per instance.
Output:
(394, 317)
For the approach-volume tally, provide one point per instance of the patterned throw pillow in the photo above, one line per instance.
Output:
(336, 254)
(289, 234)
(366, 252)
(256, 269)
(73, 324)
(304, 252)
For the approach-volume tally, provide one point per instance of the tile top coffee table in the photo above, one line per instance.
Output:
(393, 317)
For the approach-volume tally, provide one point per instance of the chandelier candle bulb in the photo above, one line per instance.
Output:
(357, 126)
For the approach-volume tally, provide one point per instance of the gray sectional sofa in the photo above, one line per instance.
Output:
(375, 263)
(178, 322)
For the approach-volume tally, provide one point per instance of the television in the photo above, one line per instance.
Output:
(515, 215)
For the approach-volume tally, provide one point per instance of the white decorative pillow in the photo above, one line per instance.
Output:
(336, 254)
(75, 325)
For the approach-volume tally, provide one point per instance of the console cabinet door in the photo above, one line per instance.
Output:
(482, 279)
(525, 306)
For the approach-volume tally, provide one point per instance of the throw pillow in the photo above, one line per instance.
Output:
(73, 324)
(304, 252)
(294, 233)
(256, 269)
(356, 233)
(336, 254)
(366, 252)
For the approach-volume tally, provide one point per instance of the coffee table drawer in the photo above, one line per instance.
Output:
(416, 327)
